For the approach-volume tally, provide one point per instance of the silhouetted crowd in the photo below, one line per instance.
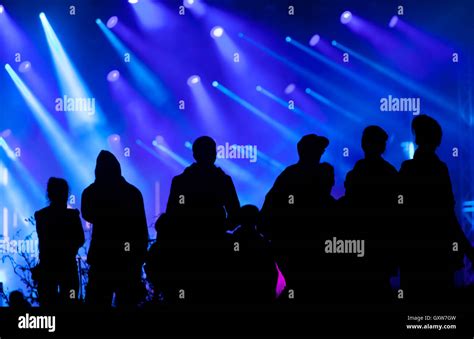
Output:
(209, 249)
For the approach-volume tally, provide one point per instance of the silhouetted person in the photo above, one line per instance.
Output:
(431, 234)
(60, 235)
(161, 267)
(255, 271)
(18, 302)
(119, 235)
(290, 214)
(203, 204)
(371, 196)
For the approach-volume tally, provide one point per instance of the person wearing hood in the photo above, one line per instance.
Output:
(202, 205)
(119, 239)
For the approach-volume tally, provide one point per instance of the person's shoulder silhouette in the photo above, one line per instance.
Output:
(426, 177)
(300, 180)
(58, 227)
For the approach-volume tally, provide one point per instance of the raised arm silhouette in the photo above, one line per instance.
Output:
(119, 235)
(60, 235)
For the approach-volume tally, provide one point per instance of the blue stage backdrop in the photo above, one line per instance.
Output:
(145, 78)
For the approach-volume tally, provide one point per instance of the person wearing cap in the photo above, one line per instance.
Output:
(290, 215)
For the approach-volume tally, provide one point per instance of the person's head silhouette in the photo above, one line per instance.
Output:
(428, 132)
(205, 151)
(107, 167)
(58, 191)
(17, 300)
(311, 147)
(327, 177)
(374, 141)
(248, 217)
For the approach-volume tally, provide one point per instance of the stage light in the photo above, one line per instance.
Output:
(24, 67)
(258, 88)
(2, 9)
(188, 144)
(188, 3)
(133, 1)
(113, 75)
(288, 39)
(193, 80)
(159, 140)
(215, 84)
(6, 133)
(314, 40)
(346, 17)
(112, 22)
(113, 138)
(393, 21)
(290, 88)
(217, 32)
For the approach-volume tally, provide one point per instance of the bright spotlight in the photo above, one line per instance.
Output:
(159, 140)
(2, 9)
(288, 39)
(217, 32)
(346, 17)
(113, 75)
(259, 88)
(290, 88)
(42, 16)
(188, 3)
(114, 138)
(24, 67)
(133, 1)
(314, 40)
(215, 84)
(193, 80)
(393, 21)
(112, 22)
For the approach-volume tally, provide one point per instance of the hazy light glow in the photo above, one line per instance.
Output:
(290, 88)
(194, 80)
(112, 22)
(113, 76)
(24, 67)
(393, 21)
(346, 17)
(217, 32)
(314, 40)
